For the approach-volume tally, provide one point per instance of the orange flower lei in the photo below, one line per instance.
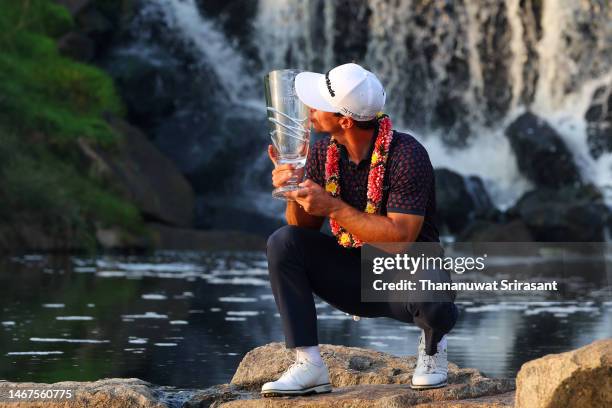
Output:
(375, 177)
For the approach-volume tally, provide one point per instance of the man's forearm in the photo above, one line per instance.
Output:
(368, 227)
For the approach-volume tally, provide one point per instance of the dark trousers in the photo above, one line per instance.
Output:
(304, 261)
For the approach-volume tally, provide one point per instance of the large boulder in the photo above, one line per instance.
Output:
(361, 377)
(460, 200)
(580, 378)
(541, 154)
(562, 215)
(352, 366)
(145, 176)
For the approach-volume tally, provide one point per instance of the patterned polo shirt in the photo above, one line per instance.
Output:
(408, 186)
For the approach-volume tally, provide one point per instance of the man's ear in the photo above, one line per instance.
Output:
(346, 122)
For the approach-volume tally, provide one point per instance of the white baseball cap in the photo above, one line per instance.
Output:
(348, 89)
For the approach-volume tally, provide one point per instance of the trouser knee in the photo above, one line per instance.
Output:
(281, 239)
(281, 245)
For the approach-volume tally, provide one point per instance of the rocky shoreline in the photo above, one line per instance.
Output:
(363, 378)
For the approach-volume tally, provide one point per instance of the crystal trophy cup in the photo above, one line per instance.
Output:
(289, 123)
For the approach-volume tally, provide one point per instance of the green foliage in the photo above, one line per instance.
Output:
(47, 102)
(38, 87)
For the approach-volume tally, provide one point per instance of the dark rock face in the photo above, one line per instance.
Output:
(563, 215)
(35, 237)
(599, 122)
(497, 52)
(166, 237)
(150, 180)
(75, 6)
(460, 200)
(351, 39)
(154, 86)
(96, 23)
(221, 213)
(77, 46)
(541, 154)
(235, 19)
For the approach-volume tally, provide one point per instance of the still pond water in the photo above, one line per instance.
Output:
(186, 319)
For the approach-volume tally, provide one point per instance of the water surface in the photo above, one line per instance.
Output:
(186, 319)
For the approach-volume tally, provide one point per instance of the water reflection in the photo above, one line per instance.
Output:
(187, 319)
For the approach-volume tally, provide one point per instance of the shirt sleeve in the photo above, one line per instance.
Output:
(411, 181)
(315, 163)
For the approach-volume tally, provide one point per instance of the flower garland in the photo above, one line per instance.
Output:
(375, 177)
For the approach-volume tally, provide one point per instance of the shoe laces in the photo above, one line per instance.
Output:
(293, 367)
(430, 363)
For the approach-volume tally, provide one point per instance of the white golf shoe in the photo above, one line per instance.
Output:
(431, 371)
(301, 378)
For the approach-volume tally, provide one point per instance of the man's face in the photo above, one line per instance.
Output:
(325, 121)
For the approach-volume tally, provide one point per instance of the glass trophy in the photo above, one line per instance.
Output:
(289, 123)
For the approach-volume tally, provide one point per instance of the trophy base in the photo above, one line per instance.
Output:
(280, 191)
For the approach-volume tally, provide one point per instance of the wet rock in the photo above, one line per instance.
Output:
(214, 396)
(147, 177)
(165, 237)
(579, 378)
(150, 85)
(563, 215)
(365, 378)
(95, 24)
(486, 231)
(599, 122)
(232, 213)
(460, 200)
(541, 154)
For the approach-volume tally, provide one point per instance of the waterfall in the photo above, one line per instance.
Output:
(570, 71)
(295, 34)
(456, 73)
(183, 20)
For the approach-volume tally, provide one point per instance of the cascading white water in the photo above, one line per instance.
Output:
(568, 79)
(184, 20)
(289, 34)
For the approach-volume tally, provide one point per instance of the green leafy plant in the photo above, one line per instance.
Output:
(47, 103)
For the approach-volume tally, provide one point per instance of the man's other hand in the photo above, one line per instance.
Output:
(283, 172)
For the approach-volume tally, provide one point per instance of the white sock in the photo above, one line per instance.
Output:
(312, 354)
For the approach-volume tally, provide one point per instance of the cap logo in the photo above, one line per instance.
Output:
(328, 82)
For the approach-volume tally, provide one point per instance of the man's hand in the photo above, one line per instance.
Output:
(283, 172)
(314, 199)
